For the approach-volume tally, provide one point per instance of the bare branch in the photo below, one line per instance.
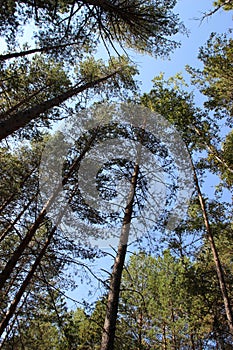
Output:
(217, 8)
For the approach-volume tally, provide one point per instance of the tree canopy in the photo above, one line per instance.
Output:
(155, 165)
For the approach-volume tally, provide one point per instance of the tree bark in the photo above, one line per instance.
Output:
(25, 284)
(164, 341)
(218, 7)
(6, 115)
(192, 341)
(218, 265)
(12, 308)
(108, 335)
(140, 323)
(24, 53)
(22, 118)
(21, 184)
(12, 224)
(214, 151)
(174, 345)
(5, 274)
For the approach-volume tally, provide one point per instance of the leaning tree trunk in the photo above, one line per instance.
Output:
(109, 329)
(26, 282)
(12, 262)
(24, 53)
(218, 265)
(213, 151)
(20, 119)
(15, 221)
(24, 285)
(21, 184)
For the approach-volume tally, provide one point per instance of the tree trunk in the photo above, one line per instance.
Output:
(174, 342)
(5, 321)
(214, 151)
(5, 274)
(140, 323)
(218, 265)
(5, 115)
(24, 53)
(12, 224)
(109, 329)
(192, 341)
(11, 197)
(164, 341)
(22, 118)
(25, 284)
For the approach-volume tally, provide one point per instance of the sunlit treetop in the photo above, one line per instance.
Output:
(215, 80)
(225, 4)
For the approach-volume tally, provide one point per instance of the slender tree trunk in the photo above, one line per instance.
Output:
(12, 281)
(192, 341)
(164, 341)
(217, 7)
(5, 274)
(12, 308)
(218, 157)
(109, 329)
(7, 56)
(12, 224)
(9, 199)
(24, 285)
(9, 329)
(22, 118)
(140, 322)
(214, 151)
(218, 265)
(173, 332)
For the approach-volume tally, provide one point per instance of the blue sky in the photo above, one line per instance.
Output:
(190, 12)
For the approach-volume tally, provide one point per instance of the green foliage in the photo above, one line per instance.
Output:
(40, 326)
(19, 183)
(215, 79)
(164, 300)
(84, 331)
(224, 171)
(160, 303)
(170, 99)
(219, 215)
(123, 82)
(228, 156)
(25, 84)
(20, 207)
(65, 34)
(169, 301)
(198, 128)
(225, 4)
(144, 25)
(29, 88)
